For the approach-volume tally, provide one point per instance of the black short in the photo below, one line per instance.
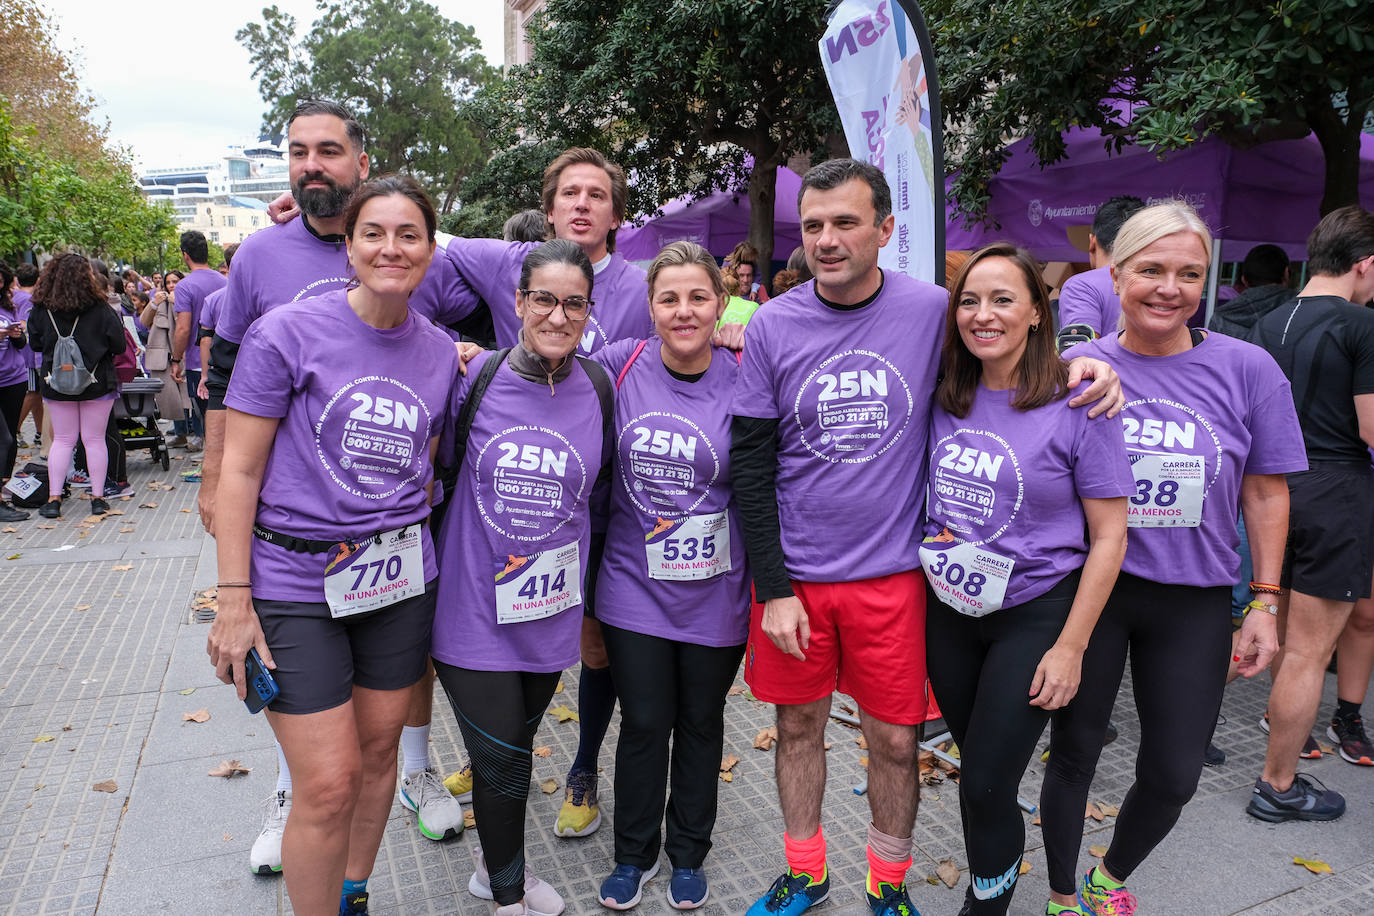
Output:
(319, 659)
(594, 553)
(1330, 548)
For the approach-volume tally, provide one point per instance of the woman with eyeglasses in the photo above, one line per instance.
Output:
(527, 438)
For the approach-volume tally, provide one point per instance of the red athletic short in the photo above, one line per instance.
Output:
(867, 640)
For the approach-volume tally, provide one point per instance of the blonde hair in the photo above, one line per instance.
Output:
(685, 254)
(1153, 223)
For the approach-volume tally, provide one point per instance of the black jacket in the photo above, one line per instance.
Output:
(1237, 317)
(99, 335)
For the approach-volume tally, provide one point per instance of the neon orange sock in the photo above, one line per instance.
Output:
(806, 857)
(881, 871)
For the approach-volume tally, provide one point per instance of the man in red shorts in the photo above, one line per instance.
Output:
(828, 454)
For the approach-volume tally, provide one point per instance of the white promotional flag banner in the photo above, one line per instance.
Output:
(883, 80)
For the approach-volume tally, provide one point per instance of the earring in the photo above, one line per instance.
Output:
(1035, 327)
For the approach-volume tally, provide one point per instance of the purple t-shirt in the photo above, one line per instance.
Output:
(521, 497)
(287, 263)
(210, 310)
(492, 270)
(1225, 407)
(14, 362)
(190, 297)
(1011, 481)
(1088, 298)
(358, 406)
(672, 472)
(851, 390)
(23, 303)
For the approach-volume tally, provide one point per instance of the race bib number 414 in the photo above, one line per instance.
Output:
(532, 588)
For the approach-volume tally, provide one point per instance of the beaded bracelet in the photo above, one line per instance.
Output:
(1265, 589)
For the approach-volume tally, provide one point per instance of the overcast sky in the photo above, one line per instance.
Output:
(174, 83)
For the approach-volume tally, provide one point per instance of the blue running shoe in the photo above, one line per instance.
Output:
(791, 894)
(353, 904)
(624, 888)
(688, 889)
(893, 902)
(1306, 800)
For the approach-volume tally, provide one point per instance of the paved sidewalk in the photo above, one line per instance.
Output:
(99, 664)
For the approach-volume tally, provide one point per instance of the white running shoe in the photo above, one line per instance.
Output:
(265, 858)
(436, 811)
(540, 898)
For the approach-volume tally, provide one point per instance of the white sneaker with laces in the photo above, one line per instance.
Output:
(265, 857)
(540, 898)
(437, 813)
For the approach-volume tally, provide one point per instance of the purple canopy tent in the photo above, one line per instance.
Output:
(717, 222)
(1268, 193)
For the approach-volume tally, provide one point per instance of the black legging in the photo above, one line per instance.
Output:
(11, 406)
(668, 689)
(980, 672)
(1179, 637)
(498, 713)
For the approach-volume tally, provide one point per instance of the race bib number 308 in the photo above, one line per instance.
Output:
(969, 579)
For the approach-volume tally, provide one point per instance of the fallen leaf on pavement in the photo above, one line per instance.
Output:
(187, 692)
(862, 742)
(83, 607)
(47, 527)
(187, 511)
(947, 872)
(734, 691)
(727, 777)
(1093, 812)
(229, 768)
(543, 751)
(43, 739)
(766, 737)
(549, 786)
(563, 714)
(10, 530)
(559, 688)
(1315, 866)
(1097, 851)
(727, 763)
(863, 761)
(1025, 867)
(227, 838)
(126, 531)
(1109, 810)
(1326, 748)
(92, 520)
(107, 785)
(14, 556)
(200, 715)
(469, 819)
(1036, 822)
(147, 505)
(116, 511)
(122, 568)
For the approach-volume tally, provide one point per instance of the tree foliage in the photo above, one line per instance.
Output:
(61, 186)
(1162, 73)
(678, 92)
(400, 65)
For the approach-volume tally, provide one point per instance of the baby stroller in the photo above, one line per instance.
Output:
(136, 415)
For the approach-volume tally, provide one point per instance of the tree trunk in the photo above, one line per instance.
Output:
(1340, 142)
(763, 181)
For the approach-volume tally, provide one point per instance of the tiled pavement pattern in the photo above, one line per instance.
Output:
(107, 683)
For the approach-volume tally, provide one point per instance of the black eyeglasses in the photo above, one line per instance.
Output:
(542, 302)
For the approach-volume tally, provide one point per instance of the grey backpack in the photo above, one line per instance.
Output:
(69, 374)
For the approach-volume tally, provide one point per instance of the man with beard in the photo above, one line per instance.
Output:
(198, 285)
(303, 259)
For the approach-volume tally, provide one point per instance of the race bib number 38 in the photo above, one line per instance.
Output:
(695, 547)
(383, 570)
(538, 586)
(969, 579)
(1168, 492)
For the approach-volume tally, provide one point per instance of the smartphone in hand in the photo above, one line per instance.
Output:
(262, 687)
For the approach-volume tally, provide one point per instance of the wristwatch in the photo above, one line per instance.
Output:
(1258, 605)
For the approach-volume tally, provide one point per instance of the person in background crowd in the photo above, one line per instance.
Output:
(69, 302)
(745, 261)
(1324, 342)
(25, 276)
(510, 605)
(160, 320)
(738, 310)
(526, 226)
(673, 592)
(200, 282)
(1210, 427)
(1265, 276)
(1087, 298)
(309, 522)
(14, 382)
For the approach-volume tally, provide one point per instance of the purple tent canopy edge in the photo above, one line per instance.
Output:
(1268, 193)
